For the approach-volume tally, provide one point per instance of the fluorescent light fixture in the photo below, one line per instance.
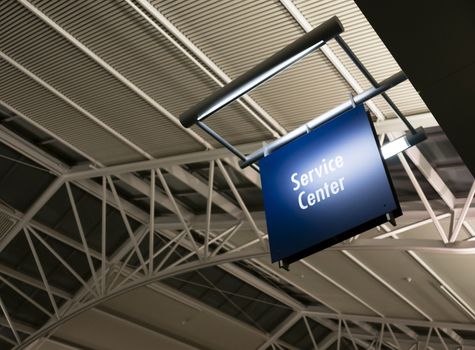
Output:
(394, 147)
(461, 303)
(402, 143)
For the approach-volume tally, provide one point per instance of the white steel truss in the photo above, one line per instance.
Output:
(116, 280)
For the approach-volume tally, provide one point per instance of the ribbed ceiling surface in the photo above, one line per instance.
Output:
(57, 62)
(364, 41)
(58, 117)
(235, 36)
(140, 53)
(238, 35)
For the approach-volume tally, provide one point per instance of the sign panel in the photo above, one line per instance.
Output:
(325, 187)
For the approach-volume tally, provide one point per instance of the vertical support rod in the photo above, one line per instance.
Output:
(175, 240)
(26, 297)
(463, 213)
(82, 235)
(381, 335)
(428, 339)
(31, 212)
(103, 234)
(152, 222)
(9, 321)
(177, 210)
(393, 336)
(231, 233)
(423, 197)
(63, 262)
(241, 203)
(126, 223)
(444, 344)
(350, 334)
(209, 204)
(338, 344)
(41, 271)
(310, 333)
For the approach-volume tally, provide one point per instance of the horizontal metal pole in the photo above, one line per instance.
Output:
(332, 113)
(263, 71)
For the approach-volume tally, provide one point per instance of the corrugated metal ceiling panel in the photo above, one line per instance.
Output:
(51, 112)
(238, 35)
(44, 52)
(369, 48)
(420, 291)
(124, 39)
(303, 92)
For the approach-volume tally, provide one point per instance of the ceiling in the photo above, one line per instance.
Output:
(121, 229)
(442, 69)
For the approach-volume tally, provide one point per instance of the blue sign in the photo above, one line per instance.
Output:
(326, 186)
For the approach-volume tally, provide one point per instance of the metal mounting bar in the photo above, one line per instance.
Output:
(225, 143)
(373, 81)
(263, 71)
(332, 113)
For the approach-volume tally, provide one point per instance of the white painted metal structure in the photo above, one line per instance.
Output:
(106, 81)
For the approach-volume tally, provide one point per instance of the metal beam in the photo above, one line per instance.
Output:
(15, 274)
(200, 187)
(434, 342)
(338, 330)
(47, 231)
(144, 187)
(189, 158)
(166, 273)
(423, 245)
(463, 213)
(280, 330)
(223, 221)
(423, 197)
(430, 174)
(315, 311)
(19, 325)
(31, 212)
(328, 341)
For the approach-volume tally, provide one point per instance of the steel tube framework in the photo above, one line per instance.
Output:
(263, 71)
(332, 113)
